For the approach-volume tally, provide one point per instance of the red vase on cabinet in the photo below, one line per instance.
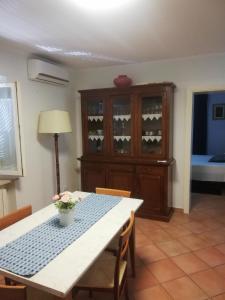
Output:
(122, 81)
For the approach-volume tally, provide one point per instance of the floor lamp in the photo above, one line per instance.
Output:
(55, 122)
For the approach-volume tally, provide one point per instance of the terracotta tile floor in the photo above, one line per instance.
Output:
(183, 259)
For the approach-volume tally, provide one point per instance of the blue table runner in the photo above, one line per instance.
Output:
(31, 252)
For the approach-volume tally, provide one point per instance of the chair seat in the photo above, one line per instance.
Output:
(101, 274)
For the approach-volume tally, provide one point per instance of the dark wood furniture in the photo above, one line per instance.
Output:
(115, 267)
(13, 292)
(127, 144)
(15, 216)
(113, 192)
(113, 246)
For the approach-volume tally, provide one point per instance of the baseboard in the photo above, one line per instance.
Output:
(179, 210)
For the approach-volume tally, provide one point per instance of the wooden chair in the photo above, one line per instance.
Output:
(15, 216)
(113, 192)
(109, 273)
(10, 219)
(114, 244)
(14, 292)
(20, 292)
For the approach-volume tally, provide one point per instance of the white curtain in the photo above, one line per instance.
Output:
(7, 130)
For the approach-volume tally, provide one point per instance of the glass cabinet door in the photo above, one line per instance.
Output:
(151, 125)
(121, 120)
(95, 126)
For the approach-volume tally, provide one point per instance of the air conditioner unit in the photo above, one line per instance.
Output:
(47, 72)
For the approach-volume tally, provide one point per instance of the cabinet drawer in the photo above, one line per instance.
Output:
(121, 177)
(156, 170)
(121, 167)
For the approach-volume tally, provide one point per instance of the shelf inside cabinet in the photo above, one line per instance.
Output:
(122, 137)
(151, 116)
(95, 118)
(121, 117)
(96, 137)
(151, 138)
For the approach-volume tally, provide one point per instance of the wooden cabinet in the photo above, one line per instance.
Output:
(153, 184)
(92, 175)
(127, 143)
(121, 177)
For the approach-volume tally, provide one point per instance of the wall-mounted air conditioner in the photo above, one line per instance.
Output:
(47, 72)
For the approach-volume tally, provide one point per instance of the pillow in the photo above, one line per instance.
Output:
(218, 158)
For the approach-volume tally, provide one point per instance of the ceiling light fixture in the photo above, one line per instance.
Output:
(78, 53)
(96, 57)
(100, 4)
(48, 48)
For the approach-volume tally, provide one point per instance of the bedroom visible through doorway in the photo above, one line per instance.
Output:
(208, 146)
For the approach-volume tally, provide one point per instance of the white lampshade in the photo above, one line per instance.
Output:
(54, 121)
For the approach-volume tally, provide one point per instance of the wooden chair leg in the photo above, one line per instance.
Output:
(126, 291)
(132, 251)
(90, 294)
(68, 297)
(116, 294)
(75, 292)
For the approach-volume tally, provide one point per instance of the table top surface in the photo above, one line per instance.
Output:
(62, 273)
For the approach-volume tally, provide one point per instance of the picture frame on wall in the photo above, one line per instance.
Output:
(219, 111)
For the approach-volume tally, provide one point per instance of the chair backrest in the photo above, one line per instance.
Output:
(123, 249)
(13, 292)
(15, 216)
(113, 192)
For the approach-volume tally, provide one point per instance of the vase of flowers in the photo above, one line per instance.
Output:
(65, 203)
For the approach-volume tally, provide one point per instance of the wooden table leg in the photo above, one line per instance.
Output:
(68, 297)
(132, 250)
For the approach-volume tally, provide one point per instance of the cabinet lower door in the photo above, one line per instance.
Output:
(121, 177)
(150, 183)
(93, 175)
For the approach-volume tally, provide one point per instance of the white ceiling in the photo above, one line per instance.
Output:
(138, 31)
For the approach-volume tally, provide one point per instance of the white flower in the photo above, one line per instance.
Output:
(55, 197)
(65, 198)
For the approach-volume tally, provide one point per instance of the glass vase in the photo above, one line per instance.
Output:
(66, 216)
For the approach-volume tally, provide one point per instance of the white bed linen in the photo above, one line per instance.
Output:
(203, 170)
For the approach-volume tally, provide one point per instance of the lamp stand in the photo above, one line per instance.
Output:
(56, 137)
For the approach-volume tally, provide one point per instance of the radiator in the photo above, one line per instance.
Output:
(4, 209)
(1, 203)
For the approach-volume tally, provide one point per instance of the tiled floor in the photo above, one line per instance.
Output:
(183, 259)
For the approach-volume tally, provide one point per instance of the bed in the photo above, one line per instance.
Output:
(203, 170)
(207, 177)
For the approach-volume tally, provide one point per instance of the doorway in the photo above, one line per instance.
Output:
(188, 140)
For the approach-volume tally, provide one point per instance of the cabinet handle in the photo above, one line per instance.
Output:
(162, 161)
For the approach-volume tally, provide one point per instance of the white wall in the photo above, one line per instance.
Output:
(39, 183)
(185, 73)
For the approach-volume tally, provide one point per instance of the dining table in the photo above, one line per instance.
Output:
(58, 277)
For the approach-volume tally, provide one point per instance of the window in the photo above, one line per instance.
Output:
(10, 144)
